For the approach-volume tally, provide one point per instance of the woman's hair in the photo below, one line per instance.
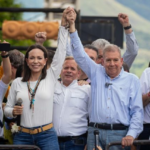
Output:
(19, 71)
(26, 70)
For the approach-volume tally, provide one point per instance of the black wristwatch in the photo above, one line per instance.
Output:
(5, 56)
(128, 27)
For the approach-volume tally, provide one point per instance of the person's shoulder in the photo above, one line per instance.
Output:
(86, 88)
(133, 76)
(147, 70)
(17, 80)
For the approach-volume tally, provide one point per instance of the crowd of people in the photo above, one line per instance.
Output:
(58, 103)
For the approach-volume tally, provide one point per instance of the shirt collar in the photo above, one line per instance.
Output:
(73, 83)
(121, 72)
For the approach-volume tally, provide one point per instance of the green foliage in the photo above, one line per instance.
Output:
(141, 62)
(143, 39)
(14, 16)
(8, 15)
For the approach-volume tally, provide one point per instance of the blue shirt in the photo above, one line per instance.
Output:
(118, 103)
(128, 56)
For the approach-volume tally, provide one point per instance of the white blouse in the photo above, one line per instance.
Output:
(43, 105)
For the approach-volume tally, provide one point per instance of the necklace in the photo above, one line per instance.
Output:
(32, 92)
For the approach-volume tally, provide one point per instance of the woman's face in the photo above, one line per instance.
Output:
(36, 60)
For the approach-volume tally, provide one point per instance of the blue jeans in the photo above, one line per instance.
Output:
(46, 140)
(73, 144)
(106, 137)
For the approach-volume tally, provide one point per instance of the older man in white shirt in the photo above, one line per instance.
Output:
(71, 105)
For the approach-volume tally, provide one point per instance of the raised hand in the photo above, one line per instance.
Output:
(40, 37)
(124, 19)
(64, 21)
(71, 17)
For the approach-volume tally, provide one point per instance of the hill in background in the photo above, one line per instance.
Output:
(138, 11)
(139, 21)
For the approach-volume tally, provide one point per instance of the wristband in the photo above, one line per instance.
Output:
(128, 27)
(5, 56)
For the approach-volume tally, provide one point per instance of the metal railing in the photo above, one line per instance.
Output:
(19, 147)
(135, 143)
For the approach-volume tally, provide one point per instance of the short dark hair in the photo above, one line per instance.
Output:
(16, 58)
(26, 70)
(91, 47)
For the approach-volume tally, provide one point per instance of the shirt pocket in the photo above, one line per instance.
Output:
(58, 97)
(78, 100)
(124, 98)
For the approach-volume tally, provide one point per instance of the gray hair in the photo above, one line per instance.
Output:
(111, 48)
(100, 43)
(16, 58)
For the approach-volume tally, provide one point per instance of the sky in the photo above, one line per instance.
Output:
(32, 4)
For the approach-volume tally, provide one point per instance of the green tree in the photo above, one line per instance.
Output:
(14, 16)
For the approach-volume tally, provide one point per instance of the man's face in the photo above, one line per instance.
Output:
(112, 63)
(91, 53)
(100, 57)
(69, 72)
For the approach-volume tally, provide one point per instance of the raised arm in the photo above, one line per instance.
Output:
(83, 60)
(6, 67)
(131, 43)
(60, 54)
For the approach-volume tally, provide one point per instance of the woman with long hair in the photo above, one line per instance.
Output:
(34, 91)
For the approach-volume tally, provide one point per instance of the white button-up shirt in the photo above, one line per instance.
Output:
(145, 87)
(70, 111)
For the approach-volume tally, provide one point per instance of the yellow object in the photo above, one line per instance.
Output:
(36, 130)
(8, 135)
(26, 30)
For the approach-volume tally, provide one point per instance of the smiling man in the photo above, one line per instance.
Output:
(116, 109)
(71, 105)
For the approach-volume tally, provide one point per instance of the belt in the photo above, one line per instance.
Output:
(108, 126)
(36, 130)
(68, 138)
(146, 125)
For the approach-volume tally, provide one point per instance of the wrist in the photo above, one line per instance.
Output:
(126, 24)
(5, 55)
(127, 27)
(72, 29)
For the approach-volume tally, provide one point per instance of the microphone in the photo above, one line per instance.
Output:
(19, 103)
(96, 133)
(107, 84)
